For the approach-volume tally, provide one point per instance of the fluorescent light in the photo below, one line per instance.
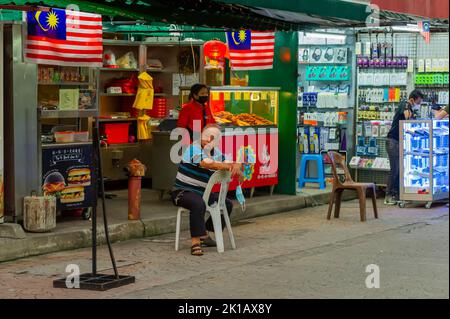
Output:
(407, 28)
(325, 35)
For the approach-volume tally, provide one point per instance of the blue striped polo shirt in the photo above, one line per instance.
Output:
(191, 176)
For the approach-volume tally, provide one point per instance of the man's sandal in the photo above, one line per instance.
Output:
(196, 250)
(208, 242)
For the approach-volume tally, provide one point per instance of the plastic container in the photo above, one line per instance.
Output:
(64, 137)
(81, 136)
(117, 133)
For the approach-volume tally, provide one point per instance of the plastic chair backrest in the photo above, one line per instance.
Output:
(219, 177)
(337, 160)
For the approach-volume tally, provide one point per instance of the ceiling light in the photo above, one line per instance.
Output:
(407, 28)
(325, 35)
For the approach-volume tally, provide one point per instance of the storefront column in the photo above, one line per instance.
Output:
(284, 75)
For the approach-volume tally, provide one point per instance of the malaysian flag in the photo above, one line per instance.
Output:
(64, 37)
(251, 50)
(424, 27)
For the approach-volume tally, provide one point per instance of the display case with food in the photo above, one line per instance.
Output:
(249, 118)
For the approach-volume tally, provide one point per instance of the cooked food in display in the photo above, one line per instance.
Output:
(224, 117)
(243, 119)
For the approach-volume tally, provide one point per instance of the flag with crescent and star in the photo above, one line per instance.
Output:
(251, 50)
(64, 37)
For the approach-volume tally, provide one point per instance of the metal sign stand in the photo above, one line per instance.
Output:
(94, 280)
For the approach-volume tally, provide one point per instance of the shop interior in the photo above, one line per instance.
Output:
(349, 82)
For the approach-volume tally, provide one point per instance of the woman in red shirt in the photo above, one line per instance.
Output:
(196, 114)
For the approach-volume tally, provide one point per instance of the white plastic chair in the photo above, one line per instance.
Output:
(215, 210)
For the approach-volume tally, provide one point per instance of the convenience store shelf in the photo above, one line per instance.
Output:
(371, 169)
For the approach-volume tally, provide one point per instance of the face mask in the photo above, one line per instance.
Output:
(203, 99)
(240, 197)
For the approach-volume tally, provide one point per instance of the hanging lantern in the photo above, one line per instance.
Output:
(215, 53)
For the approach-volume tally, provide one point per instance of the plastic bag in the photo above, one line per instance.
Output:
(109, 59)
(128, 61)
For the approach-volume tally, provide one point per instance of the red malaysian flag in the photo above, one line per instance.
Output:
(64, 37)
(424, 27)
(251, 50)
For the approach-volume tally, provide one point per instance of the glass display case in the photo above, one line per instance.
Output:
(242, 106)
(245, 106)
(424, 159)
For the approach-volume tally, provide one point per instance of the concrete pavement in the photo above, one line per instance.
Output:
(298, 254)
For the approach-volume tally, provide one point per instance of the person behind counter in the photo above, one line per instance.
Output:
(405, 111)
(199, 163)
(442, 113)
(197, 109)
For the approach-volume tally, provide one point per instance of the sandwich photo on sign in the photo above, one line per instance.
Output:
(72, 195)
(79, 177)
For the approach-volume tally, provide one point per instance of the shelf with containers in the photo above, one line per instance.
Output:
(170, 65)
(67, 105)
(325, 98)
(424, 161)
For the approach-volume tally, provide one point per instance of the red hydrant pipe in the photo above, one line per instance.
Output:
(134, 197)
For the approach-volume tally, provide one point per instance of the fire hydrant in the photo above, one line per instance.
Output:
(136, 170)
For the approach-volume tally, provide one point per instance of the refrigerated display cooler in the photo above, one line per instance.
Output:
(424, 161)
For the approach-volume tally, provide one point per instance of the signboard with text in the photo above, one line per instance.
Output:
(67, 174)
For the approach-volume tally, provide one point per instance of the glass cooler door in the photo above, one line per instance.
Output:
(440, 157)
(416, 158)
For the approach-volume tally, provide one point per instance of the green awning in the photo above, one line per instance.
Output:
(231, 14)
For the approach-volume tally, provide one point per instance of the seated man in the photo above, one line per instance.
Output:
(199, 162)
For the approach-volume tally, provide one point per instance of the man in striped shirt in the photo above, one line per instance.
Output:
(199, 163)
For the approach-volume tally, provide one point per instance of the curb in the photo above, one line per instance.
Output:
(54, 242)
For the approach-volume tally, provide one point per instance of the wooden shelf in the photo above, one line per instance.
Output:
(68, 83)
(117, 94)
(130, 119)
(119, 70)
(55, 114)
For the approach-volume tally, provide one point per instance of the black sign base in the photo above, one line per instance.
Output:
(98, 282)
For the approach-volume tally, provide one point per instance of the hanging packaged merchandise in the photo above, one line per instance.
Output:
(145, 93)
(372, 149)
(361, 146)
(127, 61)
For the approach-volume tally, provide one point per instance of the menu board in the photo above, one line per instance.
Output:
(67, 175)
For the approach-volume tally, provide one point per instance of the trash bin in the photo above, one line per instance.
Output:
(39, 213)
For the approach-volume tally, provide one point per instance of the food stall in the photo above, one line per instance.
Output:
(249, 120)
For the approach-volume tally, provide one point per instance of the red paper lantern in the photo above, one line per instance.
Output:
(215, 50)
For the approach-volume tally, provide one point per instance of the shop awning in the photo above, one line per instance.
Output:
(234, 14)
